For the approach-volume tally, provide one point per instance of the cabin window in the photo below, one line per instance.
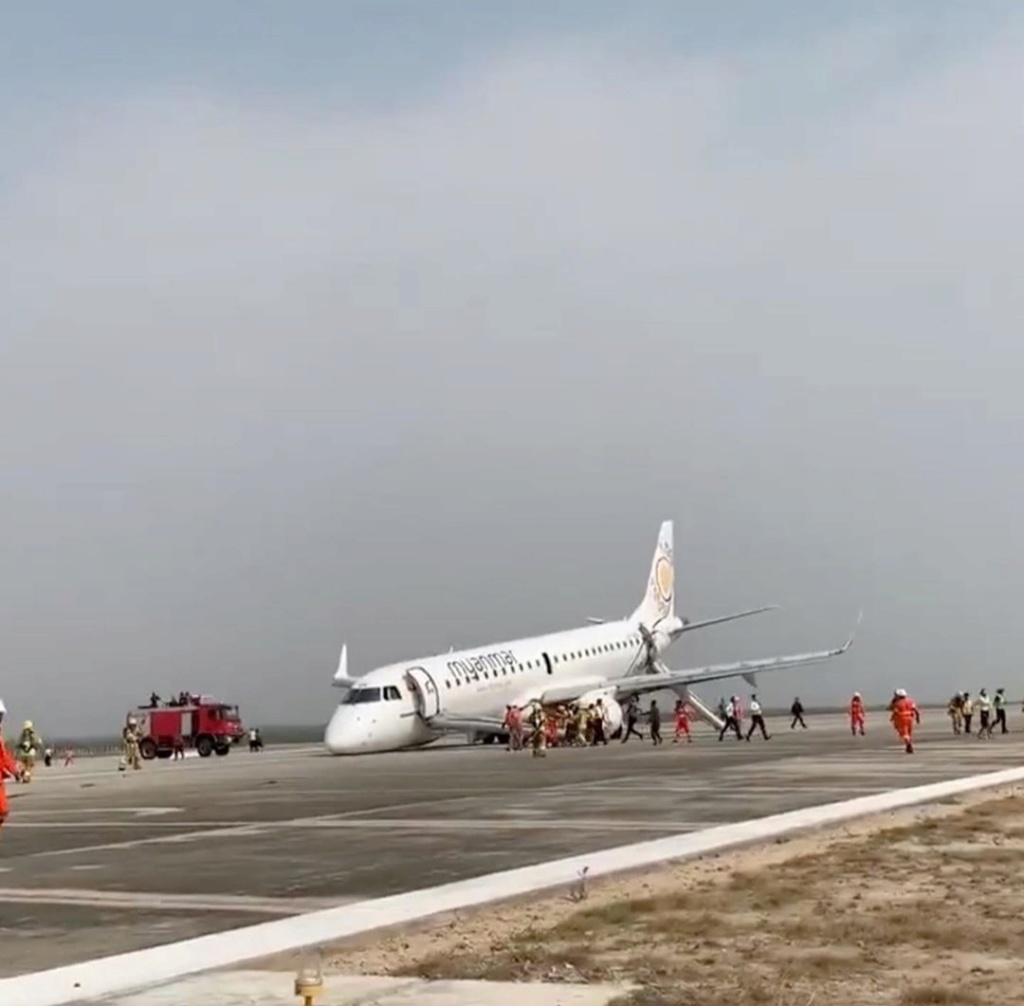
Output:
(391, 693)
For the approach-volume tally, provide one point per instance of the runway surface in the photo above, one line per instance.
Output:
(94, 862)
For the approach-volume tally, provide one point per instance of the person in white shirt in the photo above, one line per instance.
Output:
(731, 722)
(757, 719)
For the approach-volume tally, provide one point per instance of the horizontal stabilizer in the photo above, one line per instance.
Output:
(705, 622)
(341, 678)
(595, 621)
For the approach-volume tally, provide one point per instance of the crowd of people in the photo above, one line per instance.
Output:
(573, 724)
(578, 724)
(991, 712)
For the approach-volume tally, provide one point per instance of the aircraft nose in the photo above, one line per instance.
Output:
(341, 735)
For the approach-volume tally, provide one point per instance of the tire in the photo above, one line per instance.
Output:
(147, 748)
(204, 745)
(163, 753)
(223, 749)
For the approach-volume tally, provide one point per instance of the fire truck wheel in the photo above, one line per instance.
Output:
(223, 749)
(147, 748)
(204, 745)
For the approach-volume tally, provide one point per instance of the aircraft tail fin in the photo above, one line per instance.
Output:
(660, 600)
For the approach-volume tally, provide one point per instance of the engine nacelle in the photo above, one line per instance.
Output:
(612, 709)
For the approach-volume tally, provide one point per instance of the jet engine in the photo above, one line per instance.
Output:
(612, 709)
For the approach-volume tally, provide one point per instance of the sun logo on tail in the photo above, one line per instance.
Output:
(664, 579)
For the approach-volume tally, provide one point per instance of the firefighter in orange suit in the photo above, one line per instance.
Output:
(9, 767)
(905, 715)
(857, 715)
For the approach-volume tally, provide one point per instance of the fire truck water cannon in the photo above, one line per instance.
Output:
(208, 726)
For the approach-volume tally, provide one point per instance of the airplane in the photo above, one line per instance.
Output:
(415, 702)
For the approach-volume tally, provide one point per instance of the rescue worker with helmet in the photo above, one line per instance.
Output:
(905, 715)
(130, 740)
(857, 715)
(28, 744)
(9, 768)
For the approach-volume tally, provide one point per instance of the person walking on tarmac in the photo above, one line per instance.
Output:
(29, 744)
(984, 715)
(731, 722)
(905, 716)
(999, 702)
(130, 739)
(955, 711)
(967, 709)
(654, 722)
(857, 715)
(536, 721)
(632, 715)
(757, 720)
(682, 714)
(796, 710)
(9, 768)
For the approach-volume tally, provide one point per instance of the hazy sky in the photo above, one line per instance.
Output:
(365, 322)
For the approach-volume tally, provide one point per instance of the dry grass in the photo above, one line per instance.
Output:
(921, 908)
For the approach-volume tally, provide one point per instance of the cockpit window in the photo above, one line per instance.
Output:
(361, 695)
(391, 693)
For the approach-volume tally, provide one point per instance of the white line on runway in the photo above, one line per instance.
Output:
(136, 811)
(156, 901)
(378, 824)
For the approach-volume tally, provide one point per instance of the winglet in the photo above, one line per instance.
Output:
(853, 632)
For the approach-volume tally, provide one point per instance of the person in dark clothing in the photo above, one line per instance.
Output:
(632, 715)
(999, 704)
(797, 712)
(655, 718)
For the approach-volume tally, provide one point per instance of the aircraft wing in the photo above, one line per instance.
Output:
(666, 678)
(466, 724)
(719, 619)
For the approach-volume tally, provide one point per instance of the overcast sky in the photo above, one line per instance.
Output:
(363, 322)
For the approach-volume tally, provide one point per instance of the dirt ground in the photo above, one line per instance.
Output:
(912, 908)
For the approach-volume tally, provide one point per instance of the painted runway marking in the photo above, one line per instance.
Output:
(155, 901)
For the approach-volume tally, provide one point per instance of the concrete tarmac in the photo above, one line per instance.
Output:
(96, 862)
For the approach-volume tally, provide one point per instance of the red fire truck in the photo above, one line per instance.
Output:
(203, 723)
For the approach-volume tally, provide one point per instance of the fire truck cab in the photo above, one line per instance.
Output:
(204, 723)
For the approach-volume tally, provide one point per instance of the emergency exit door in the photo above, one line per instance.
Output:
(428, 698)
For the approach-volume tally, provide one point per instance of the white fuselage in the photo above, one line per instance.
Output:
(387, 709)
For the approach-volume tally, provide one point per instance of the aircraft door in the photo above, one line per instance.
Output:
(428, 698)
